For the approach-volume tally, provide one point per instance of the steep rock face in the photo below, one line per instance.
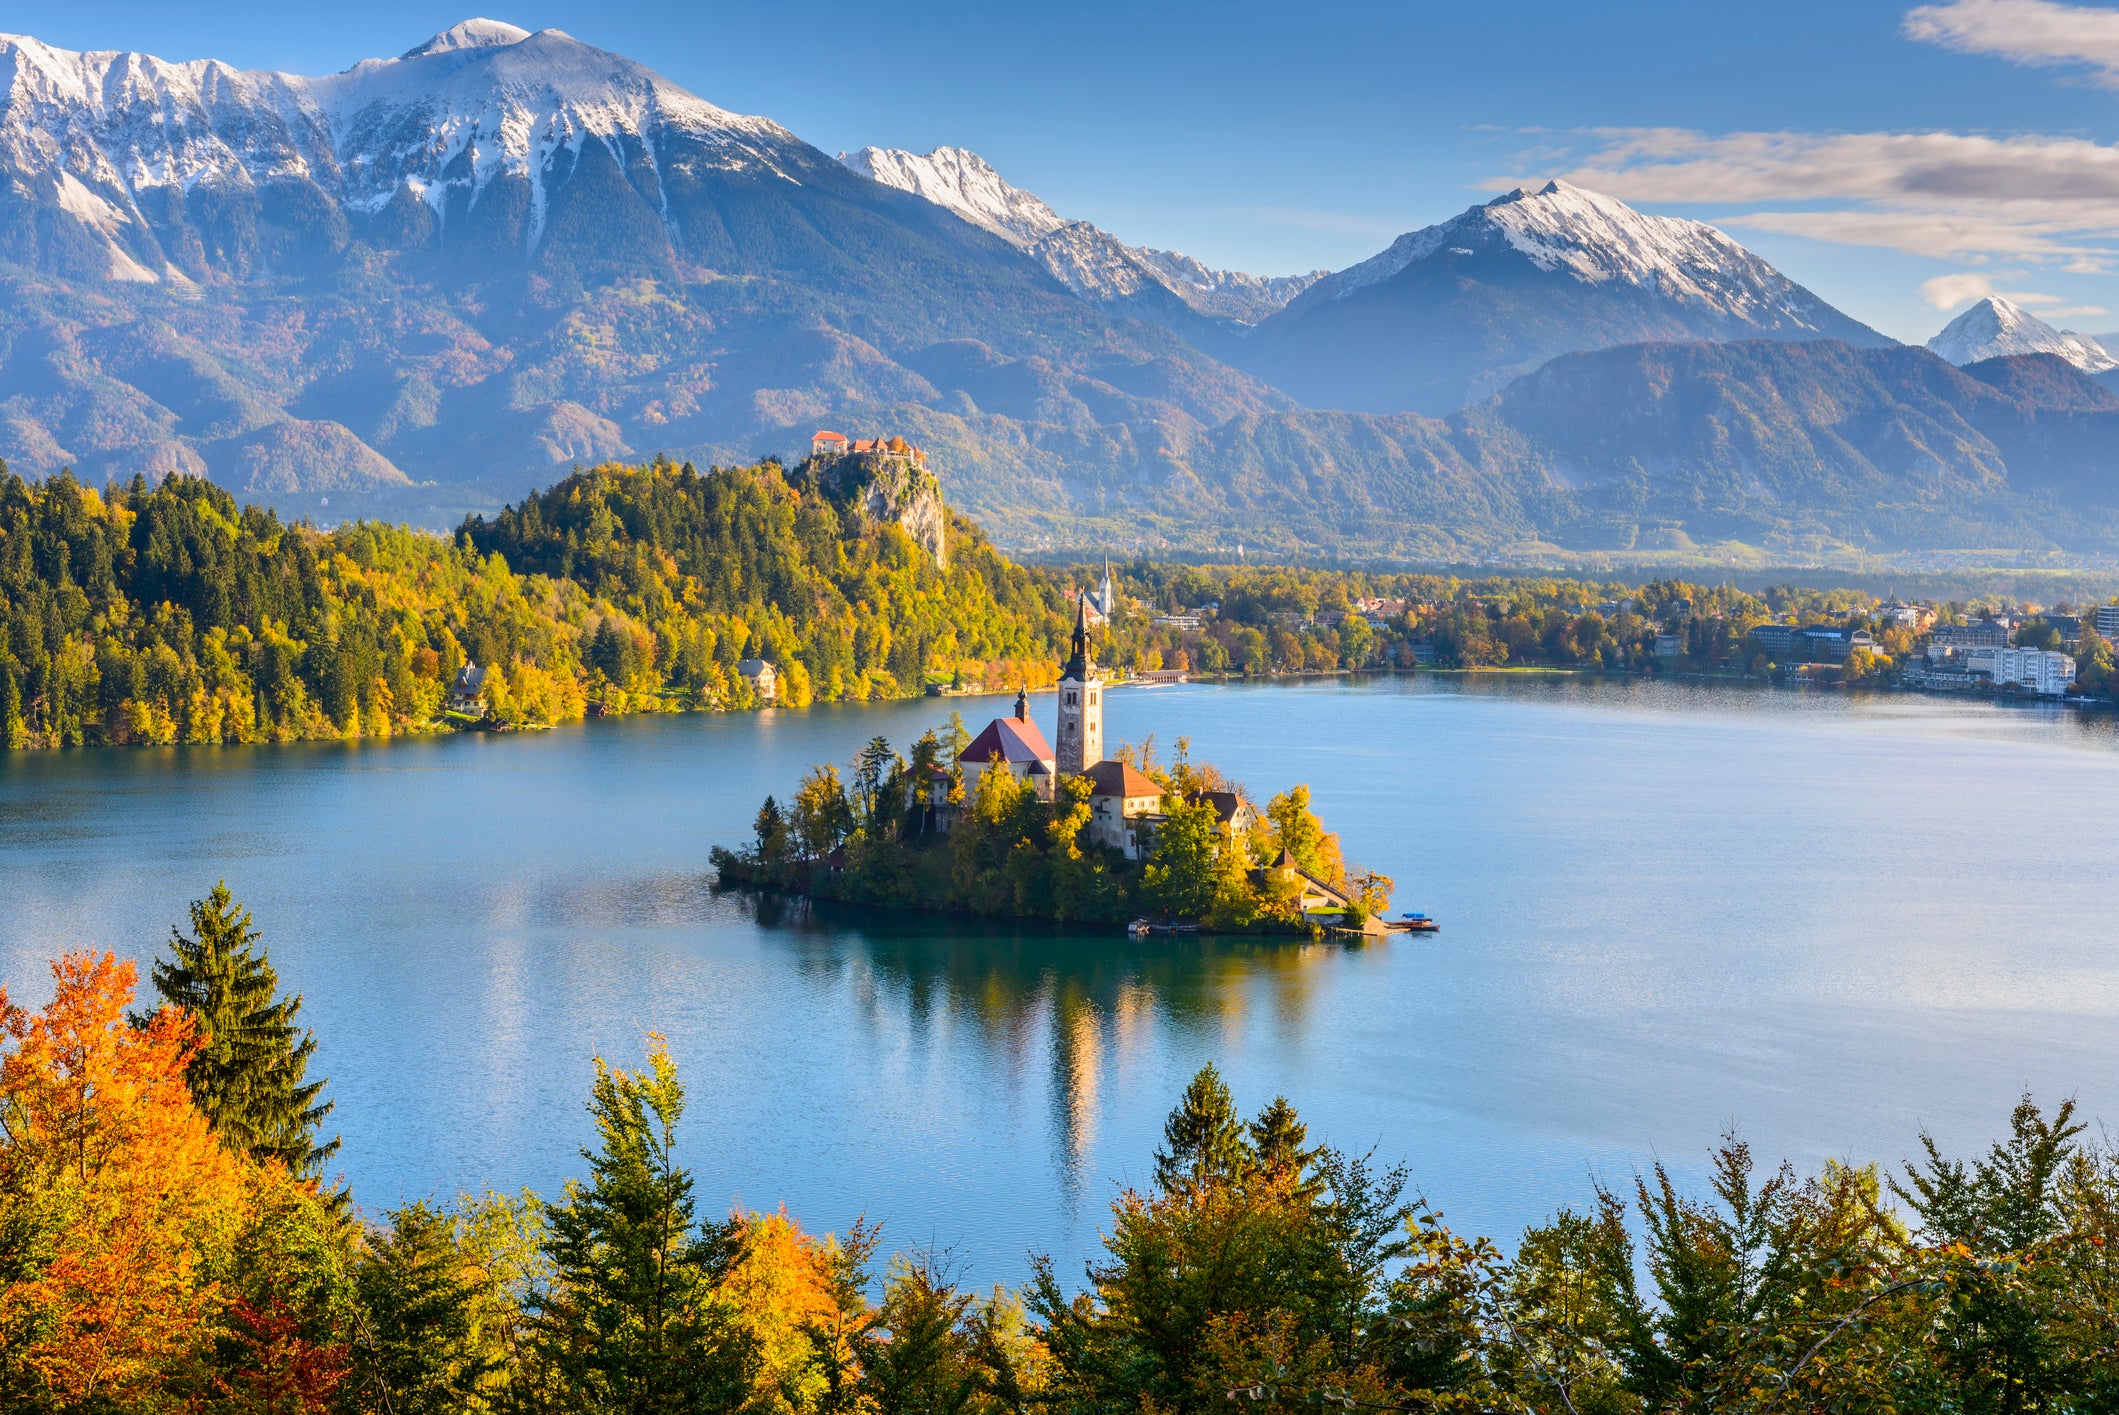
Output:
(1450, 313)
(1085, 258)
(890, 491)
(1997, 328)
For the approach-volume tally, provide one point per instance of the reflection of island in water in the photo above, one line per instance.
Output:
(1097, 997)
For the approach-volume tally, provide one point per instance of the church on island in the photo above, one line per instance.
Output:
(1124, 805)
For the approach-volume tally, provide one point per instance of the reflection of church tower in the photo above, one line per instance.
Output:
(1081, 704)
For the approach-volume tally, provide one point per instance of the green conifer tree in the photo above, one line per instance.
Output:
(250, 1074)
(419, 1293)
(1205, 1141)
(624, 1325)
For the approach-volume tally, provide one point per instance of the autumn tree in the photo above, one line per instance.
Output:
(249, 1076)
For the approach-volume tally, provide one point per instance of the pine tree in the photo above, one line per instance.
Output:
(1281, 1140)
(1206, 1142)
(249, 1076)
(419, 1295)
(624, 1324)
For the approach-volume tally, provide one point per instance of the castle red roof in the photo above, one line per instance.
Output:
(827, 437)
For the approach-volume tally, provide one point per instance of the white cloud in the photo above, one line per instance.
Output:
(1949, 196)
(1947, 292)
(2033, 32)
(2073, 312)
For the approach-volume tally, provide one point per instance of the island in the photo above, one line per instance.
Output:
(1001, 823)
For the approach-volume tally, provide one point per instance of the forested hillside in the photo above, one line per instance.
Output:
(169, 614)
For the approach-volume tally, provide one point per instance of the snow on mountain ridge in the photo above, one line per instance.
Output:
(1996, 328)
(965, 183)
(1082, 256)
(1596, 238)
(124, 124)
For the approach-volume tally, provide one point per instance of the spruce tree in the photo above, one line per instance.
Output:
(417, 1351)
(249, 1076)
(624, 1325)
(1206, 1142)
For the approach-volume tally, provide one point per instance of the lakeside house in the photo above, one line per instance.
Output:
(1979, 634)
(762, 677)
(467, 693)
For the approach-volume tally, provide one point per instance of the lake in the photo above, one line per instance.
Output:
(1827, 921)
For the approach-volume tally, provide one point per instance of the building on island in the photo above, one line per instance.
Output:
(1316, 896)
(467, 694)
(1230, 809)
(761, 676)
(1125, 804)
(1014, 745)
(1081, 703)
(1124, 809)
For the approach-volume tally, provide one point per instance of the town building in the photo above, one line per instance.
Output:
(1829, 643)
(2106, 618)
(1979, 634)
(1670, 646)
(762, 677)
(1775, 640)
(2043, 671)
(1014, 745)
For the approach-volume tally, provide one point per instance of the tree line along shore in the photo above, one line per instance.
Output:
(170, 1241)
(165, 614)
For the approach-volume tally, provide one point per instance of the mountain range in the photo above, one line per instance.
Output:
(425, 284)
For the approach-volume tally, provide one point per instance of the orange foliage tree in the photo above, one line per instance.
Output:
(125, 1226)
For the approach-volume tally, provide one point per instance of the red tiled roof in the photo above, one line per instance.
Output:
(827, 437)
(1118, 779)
(1013, 739)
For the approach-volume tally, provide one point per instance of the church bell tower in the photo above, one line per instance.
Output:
(1081, 703)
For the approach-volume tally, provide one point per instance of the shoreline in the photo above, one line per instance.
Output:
(433, 732)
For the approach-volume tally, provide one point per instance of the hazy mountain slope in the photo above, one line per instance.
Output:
(1449, 313)
(1085, 258)
(1997, 328)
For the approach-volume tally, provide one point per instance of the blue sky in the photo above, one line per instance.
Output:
(1900, 160)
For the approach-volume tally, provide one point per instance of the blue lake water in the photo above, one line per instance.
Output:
(1827, 921)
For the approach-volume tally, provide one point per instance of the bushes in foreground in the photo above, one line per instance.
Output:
(155, 1255)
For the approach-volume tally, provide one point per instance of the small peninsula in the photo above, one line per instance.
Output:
(1000, 823)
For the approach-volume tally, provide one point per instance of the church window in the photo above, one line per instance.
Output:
(1070, 700)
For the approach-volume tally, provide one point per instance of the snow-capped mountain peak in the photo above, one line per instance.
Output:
(1085, 258)
(1995, 327)
(123, 136)
(471, 34)
(1595, 239)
